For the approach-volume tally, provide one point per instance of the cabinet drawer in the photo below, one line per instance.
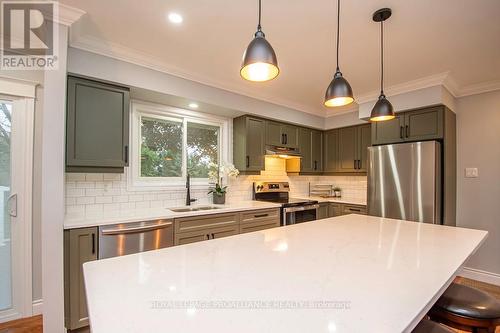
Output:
(205, 234)
(195, 223)
(354, 209)
(260, 215)
(259, 225)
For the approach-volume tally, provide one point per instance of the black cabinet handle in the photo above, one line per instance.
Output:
(407, 131)
(248, 161)
(354, 210)
(359, 164)
(315, 165)
(208, 236)
(260, 215)
(286, 138)
(355, 164)
(126, 154)
(93, 243)
(213, 237)
(282, 138)
(400, 132)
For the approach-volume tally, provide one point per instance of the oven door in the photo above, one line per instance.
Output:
(294, 215)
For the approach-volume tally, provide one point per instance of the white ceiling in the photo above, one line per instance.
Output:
(423, 38)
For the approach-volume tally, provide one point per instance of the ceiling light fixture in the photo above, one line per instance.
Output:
(175, 18)
(259, 60)
(339, 92)
(383, 109)
(193, 105)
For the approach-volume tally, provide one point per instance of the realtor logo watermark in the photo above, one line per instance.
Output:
(29, 38)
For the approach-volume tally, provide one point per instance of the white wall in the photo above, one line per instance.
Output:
(478, 199)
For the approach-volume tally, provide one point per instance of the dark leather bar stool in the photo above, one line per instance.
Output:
(468, 309)
(427, 326)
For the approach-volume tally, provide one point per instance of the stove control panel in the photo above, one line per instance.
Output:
(260, 187)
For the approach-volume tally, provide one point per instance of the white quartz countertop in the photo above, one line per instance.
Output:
(136, 215)
(343, 200)
(351, 273)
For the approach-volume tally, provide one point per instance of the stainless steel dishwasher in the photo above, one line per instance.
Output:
(127, 238)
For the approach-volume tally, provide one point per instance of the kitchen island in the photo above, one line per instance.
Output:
(350, 273)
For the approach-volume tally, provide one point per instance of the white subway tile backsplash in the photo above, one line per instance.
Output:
(93, 194)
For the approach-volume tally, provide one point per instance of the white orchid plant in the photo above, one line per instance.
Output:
(216, 172)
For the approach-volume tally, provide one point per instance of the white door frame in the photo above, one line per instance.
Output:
(21, 94)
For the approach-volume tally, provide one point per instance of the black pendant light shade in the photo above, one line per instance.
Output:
(339, 92)
(259, 60)
(382, 110)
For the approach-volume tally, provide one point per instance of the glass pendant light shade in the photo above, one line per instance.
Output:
(382, 110)
(259, 60)
(339, 92)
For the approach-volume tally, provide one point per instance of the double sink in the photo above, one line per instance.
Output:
(193, 209)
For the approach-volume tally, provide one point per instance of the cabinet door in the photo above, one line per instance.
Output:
(306, 163)
(334, 209)
(425, 124)
(389, 131)
(331, 151)
(97, 125)
(255, 134)
(317, 151)
(79, 247)
(274, 134)
(290, 133)
(364, 140)
(323, 211)
(348, 151)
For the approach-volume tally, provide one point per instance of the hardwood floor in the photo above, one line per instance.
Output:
(34, 324)
(25, 325)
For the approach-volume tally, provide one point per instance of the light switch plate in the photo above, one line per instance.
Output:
(471, 173)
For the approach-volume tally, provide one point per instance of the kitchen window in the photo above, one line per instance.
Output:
(168, 143)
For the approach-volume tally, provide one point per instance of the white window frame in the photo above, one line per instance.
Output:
(150, 110)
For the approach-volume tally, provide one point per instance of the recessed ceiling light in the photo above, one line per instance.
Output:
(193, 105)
(175, 18)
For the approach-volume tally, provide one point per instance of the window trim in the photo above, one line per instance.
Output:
(151, 110)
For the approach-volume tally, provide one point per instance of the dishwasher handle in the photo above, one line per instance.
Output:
(135, 230)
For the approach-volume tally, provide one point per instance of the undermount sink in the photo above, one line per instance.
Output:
(193, 209)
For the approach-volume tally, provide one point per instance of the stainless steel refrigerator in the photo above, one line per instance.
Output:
(404, 181)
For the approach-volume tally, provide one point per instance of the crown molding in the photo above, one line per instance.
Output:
(354, 107)
(68, 15)
(479, 88)
(139, 58)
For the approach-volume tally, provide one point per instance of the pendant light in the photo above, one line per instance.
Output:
(383, 109)
(259, 60)
(339, 92)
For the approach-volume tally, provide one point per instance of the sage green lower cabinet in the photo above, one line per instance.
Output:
(259, 220)
(323, 211)
(248, 144)
(80, 246)
(334, 209)
(339, 209)
(97, 126)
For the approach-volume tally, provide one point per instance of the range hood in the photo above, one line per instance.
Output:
(283, 152)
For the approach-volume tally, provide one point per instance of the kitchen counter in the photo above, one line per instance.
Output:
(342, 200)
(351, 273)
(126, 216)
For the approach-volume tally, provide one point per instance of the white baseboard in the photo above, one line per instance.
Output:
(479, 275)
(37, 307)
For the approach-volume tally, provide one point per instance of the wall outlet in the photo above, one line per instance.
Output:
(471, 173)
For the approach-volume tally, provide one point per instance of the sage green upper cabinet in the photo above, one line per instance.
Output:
(364, 140)
(317, 150)
(426, 124)
(279, 134)
(416, 125)
(97, 126)
(389, 131)
(248, 143)
(305, 148)
(330, 155)
(347, 149)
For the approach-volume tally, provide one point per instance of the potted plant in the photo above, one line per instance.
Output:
(215, 175)
(337, 192)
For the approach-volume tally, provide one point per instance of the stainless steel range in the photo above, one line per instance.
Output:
(292, 210)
